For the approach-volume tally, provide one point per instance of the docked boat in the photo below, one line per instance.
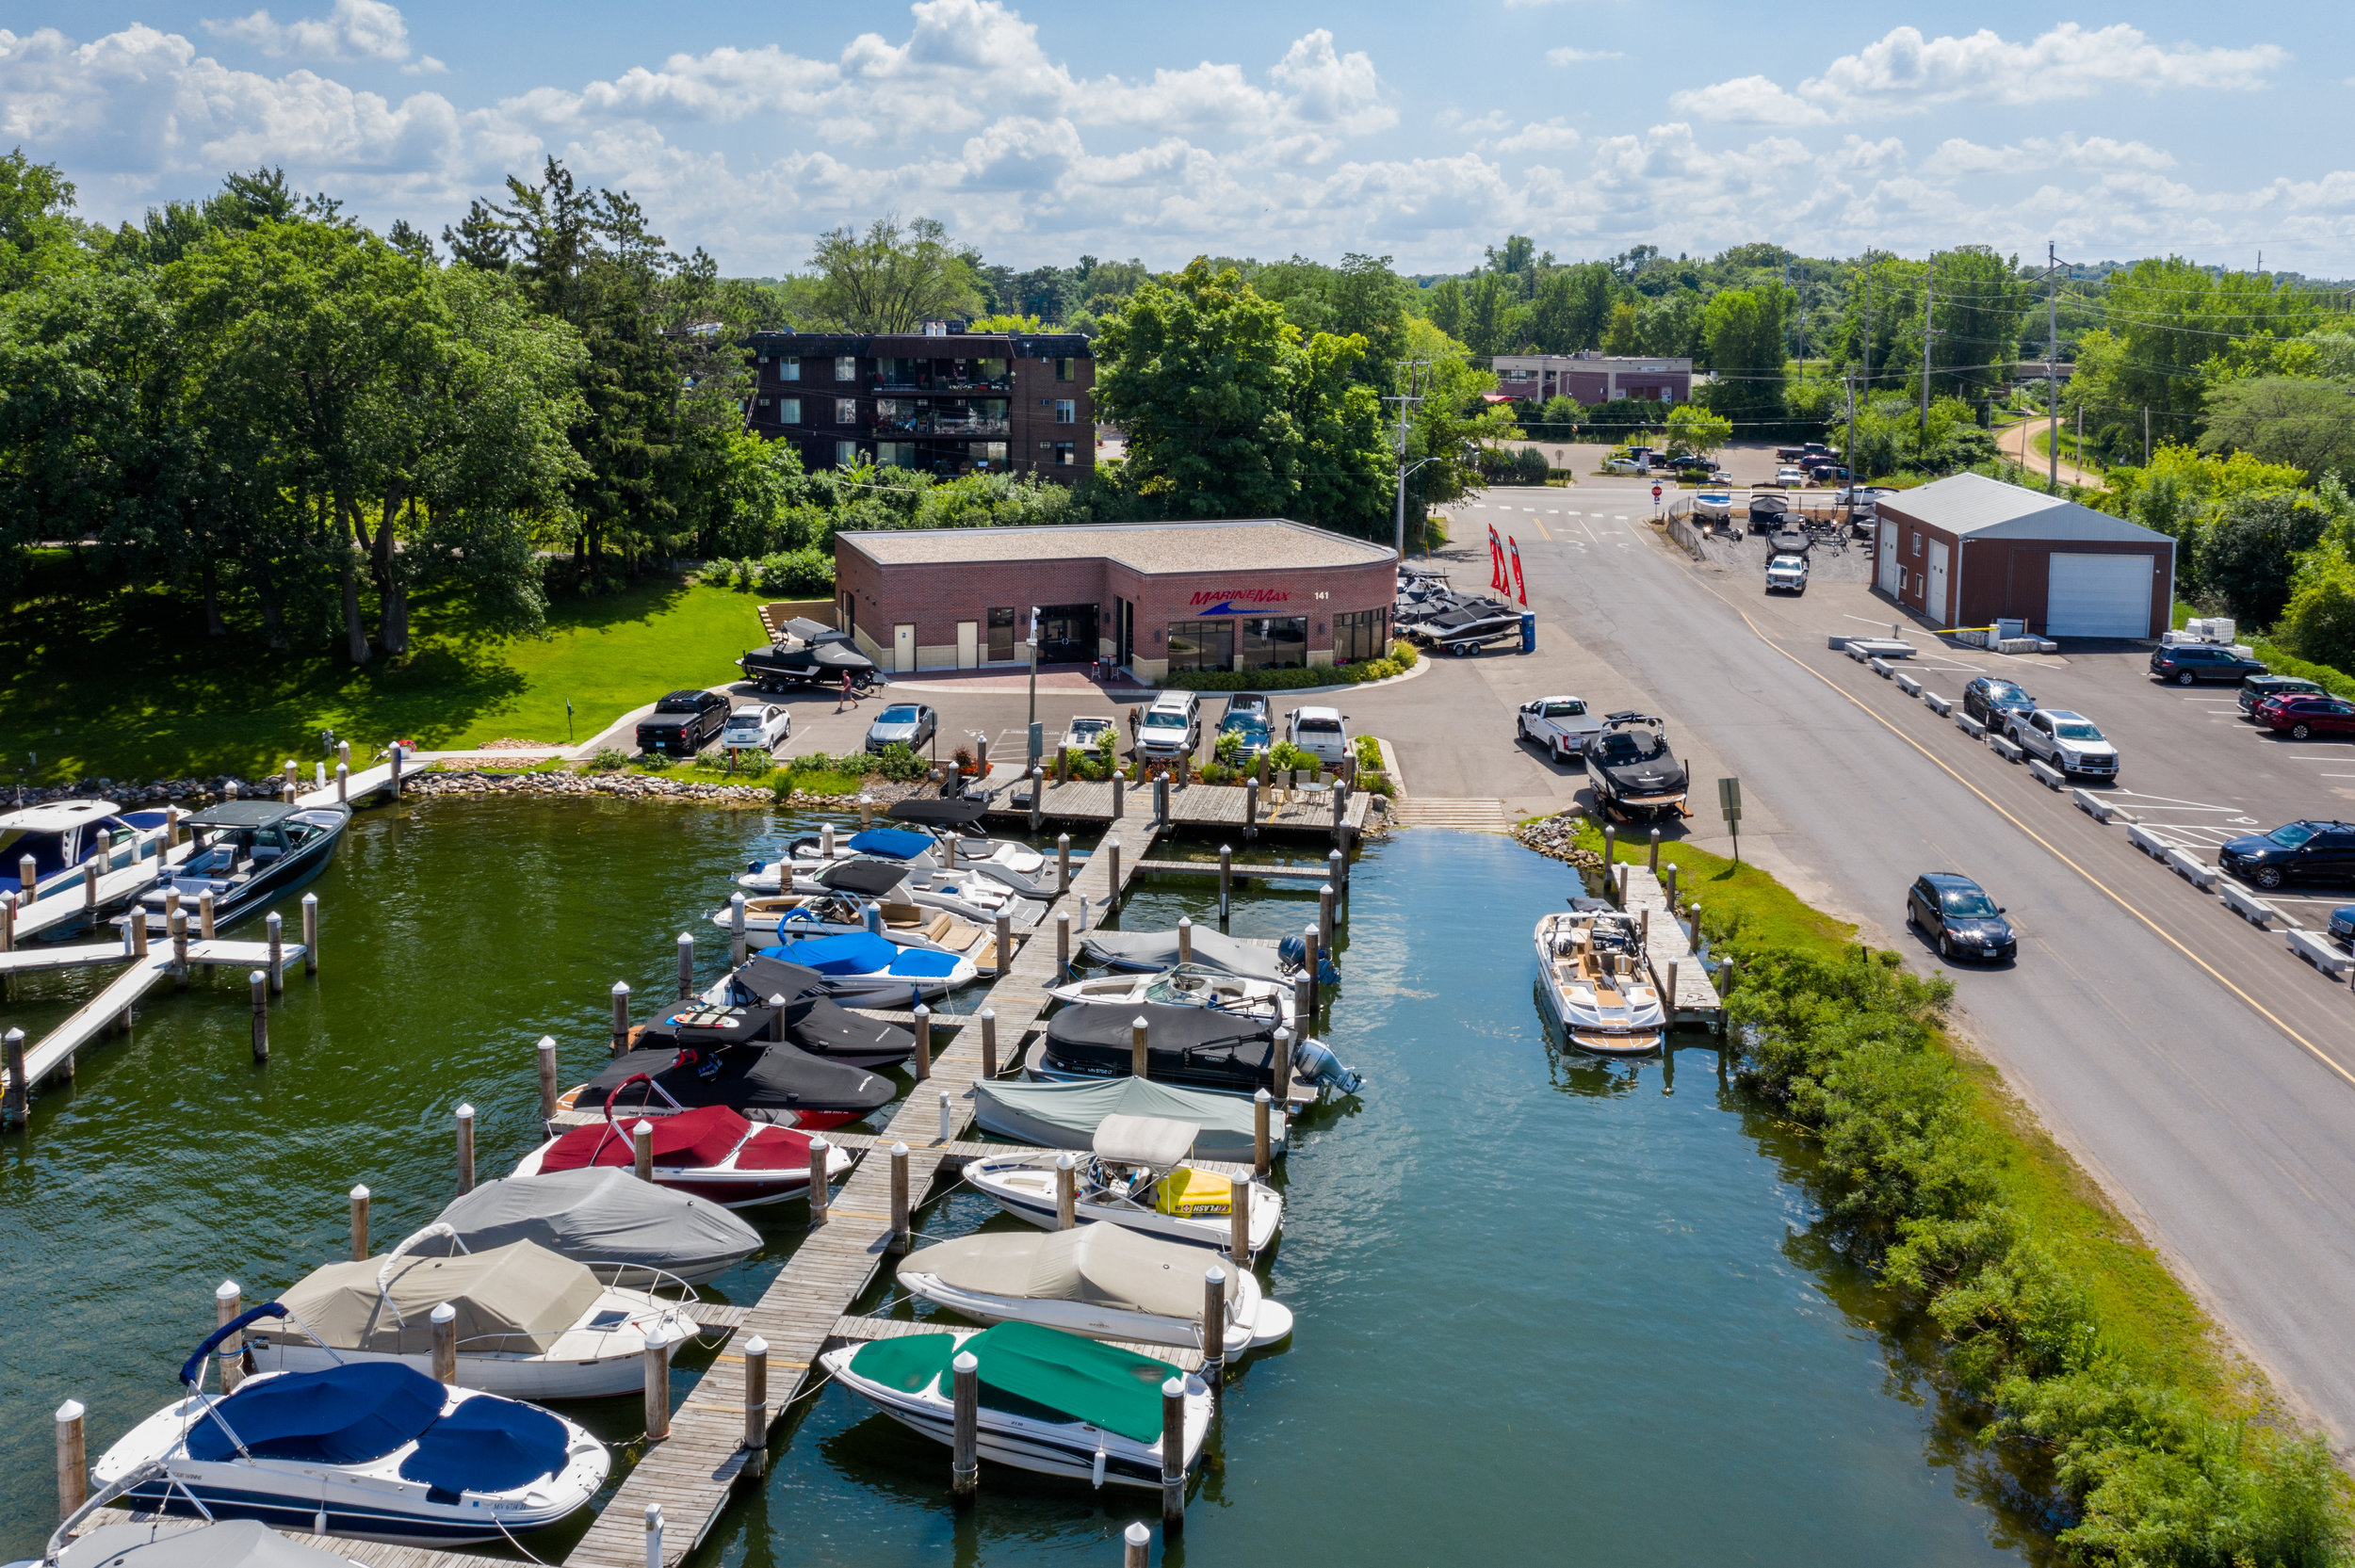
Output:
(761, 1080)
(1065, 1115)
(797, 916)
(709, 1150)
(632, 1231)
(858, 966)
(1101, 1281)
(374, 1451)
(1212, 950)
(1185, 985)
(248, 853)
(532, 1324)
(823, 1028)
(60, 836)
(1134, 1177)
(863, 879)
(1592, 975)
(1050, 1402)
(157, 1543)
(1192, 1047)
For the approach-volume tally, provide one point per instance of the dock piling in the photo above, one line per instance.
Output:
(1251, 802)
(178, 920)
(1173, 1454)
(641, 1150)
(922, 1066)
(1261, 1104)
(818, 1150)
(396, 770)
(1672, 887)
(1283, 1073)
(1038, 798)
(686, 965)
(1062, 765)
(654, 1535)
(1668, 1003)
(947, 1118)
(1642, 927)
(137, 926)
(1325, 917)
(965, 1473)
(73, 1458)
(1337, 870)
(171, 827)
(755, 1407)
(900, 1230)
(1066, 1191)
(1610, 848)
(736, 930)
(294, 778)
(442, 1332)
(1238, 1227)
(874, 918)
(318, 775)
(1226, 882)
(1118, 783)
(1062, 864)
(657, 1355)
(547, 1077)
(1655, 866)
(359, 1224)
(621, 1017)
(205, 914)
(28, 877)
(1161, 800)
(1005, 941)
(1136, 1546)
(1185, 939)
(989, 1042)
(466, 1149)
(1313, 970)
(1062, 943)
(866, 811)
(1214, 1323)
(342, 783)
(229, 1301)
(7, 922)
(274, 931)
(1340, 809)
(826, 852)
(89, 889)
(260, 983)
(1111, 848)
(1140, 1046)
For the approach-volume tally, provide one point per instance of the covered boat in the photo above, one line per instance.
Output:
(621, 1227)
(248, 853)
(857, 966)
(230, 1544)
(1065, 1115)
(1096, 1280)
(825, 1030)
(1631, 769)
(1050, 1402)
(1135, 1175)
(1592, 979)
(1189, 1046)
(823, 662)
(1212, 950)
(59, 837)
(767, 1081)
(1187, 985)
(531, 1324)
(709, 1151)
(371, 1450)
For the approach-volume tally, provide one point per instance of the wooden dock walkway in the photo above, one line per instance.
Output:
(693, 1471)
(1696, 1000)
(56, 1049)
(128, 871)
(1194, 806)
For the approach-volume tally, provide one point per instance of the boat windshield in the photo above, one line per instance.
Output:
(2291, 836)
(1967, 904)
(1622, 746)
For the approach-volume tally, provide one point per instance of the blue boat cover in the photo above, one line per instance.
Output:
(850, 953)
(892, 843)
(346, 1415)
(488, 1445)
(923, 963)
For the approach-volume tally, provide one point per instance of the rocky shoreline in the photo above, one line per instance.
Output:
(638, 786)
(1556, 837)
(160, 792)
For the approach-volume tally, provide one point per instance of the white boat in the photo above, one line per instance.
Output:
(709, 1151)
(168, 1543)
(863, 879)
(1050, 1402)
(1135, 1177)
(1185, 985)
(1592, 975)
(1714, 506)
(373, 1450)
(1098, 1280)
(857, 967)
(60, 836)
(532, 1324)
(793, 916)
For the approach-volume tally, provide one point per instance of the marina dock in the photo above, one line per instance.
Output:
(56, 1049)
(1669, 948)
(1191, 805)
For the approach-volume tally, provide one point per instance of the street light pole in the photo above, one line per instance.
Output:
(1034, 664)
(1404, 400)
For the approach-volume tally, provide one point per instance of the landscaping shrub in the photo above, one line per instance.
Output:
(1401, 658)
(898, 763)
(609, 759)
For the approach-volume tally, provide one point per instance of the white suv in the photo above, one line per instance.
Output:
(2066, 740)
(1172, 727)
(1323, 732)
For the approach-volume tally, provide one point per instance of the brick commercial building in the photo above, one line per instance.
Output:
(944, 401)
(1967, 550)
(1593, 378)
(1248, 594)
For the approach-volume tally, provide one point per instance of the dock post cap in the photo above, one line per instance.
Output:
(1261, 1096)
(1214, 1275)
(359, 1193)
(1064, 1161)
(621, 988)
(756, 1346)
(1174, 1387)
(988, 1012)
(444, 1312)
(1140, 1022)
(898, 1151)
(547, 1042)
(922, 1010)
(1282, 1033)
(227, 1290)
(817, 1144)
(1137, 1535)
(643, 1126)
(657, 1337)
(69, 1411)
(465, 1114)
(966, 1361)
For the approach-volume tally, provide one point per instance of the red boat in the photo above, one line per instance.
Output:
(709, 1150)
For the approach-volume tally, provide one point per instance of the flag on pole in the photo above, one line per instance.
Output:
(1518, 586)
(1496, 561)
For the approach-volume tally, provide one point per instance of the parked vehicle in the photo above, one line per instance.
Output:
(2187, 662)
(913, 725)
(1252, 704)
(2295, 851)
(1559, 724)
(1631, 769)
(1826, 473)
(1086, 733)
(1251, 725)
(683, 723)
(1768, 509)
(1786, 574)
(2302, 717)
(1323, 732)
(1171, 727)
(2066, 740)
(2256, 688)
(1993, 701)
(757, 729)
(2341, 925)
(822, 662)
(1957, 912)
(1790, 477)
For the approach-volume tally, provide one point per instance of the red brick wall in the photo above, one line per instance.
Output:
(1030, 418)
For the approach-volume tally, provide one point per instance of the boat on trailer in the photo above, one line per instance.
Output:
(1593, 977)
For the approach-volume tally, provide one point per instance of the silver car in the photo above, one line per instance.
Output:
(909, 724)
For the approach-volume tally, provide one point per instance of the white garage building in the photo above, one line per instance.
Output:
(1967, 550)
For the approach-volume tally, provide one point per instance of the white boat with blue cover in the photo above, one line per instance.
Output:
(372, 1451)
(856, 966)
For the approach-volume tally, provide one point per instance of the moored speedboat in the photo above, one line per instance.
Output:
(764, 1081)
(799, 916)
(1591, 973)
(1065, 1115)
(860, 967)
(1192, 1048)
(59, 837)
(825, 1030)
(1135, 1176)
(709, 1150)
(1185, 985)
(606, 1219)
(1212, 950)
(247, 852)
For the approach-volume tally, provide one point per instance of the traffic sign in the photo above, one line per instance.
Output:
(1729, 802)
(1655, 492)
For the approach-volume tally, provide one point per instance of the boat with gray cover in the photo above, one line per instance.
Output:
(1065, 1115)
(1211, 951)
(602, 1217)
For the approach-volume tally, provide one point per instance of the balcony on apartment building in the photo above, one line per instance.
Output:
(950, 376)
(906, 416)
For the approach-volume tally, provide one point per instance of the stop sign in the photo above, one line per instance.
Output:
(1655, 492)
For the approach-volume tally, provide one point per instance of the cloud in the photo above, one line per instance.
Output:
(1552, 137)
(1580, 57)
(1906, 73)
(355, 30)
(1959, 157)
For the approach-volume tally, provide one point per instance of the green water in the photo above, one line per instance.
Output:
(1547, 1312)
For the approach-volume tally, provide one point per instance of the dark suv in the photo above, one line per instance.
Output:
(1957, 912)
(2296, 851)
(1992, 702)
(2258, 688)
(683, 723)
(2186, 662)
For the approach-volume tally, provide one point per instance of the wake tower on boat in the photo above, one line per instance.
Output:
(1631, 770)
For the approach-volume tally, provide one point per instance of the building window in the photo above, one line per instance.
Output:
(788, 410)
(1066, 412)
(1063, 370)
(1917, 544)
(1065, 454)
(845, 367)
(987, 453)
(1360, 635)
(1667, 394)
(1001, 636)
(895, 454)
(789, 368)
(846, 410)
(846, 454)
(896, 414)
(1202, 645)
(1276, 642)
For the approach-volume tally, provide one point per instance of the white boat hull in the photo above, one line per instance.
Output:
(1251, 1319)
(1024, 1186)
(1629, 1022)
(583, 1364)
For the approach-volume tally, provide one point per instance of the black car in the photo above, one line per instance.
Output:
(2296, 851)
(2258, 688)
(683, 723)
(1992, 702)
(2342, 925)
(1959, 913)
(2186, 662)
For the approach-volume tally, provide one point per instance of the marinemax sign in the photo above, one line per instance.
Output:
(1238, 601)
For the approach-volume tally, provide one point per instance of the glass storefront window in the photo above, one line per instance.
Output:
(1276, 642)
(1001, 636)
(1202, 645)
(1360, 635)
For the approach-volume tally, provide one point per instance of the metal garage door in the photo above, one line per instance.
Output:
(2099, 596)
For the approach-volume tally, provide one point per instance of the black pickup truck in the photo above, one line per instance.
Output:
(683, 723)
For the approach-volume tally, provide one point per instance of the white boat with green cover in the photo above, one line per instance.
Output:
(1050, 1402)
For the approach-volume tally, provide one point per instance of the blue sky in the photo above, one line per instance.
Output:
(1042, 131)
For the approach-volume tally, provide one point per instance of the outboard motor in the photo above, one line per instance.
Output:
(1316, 1059)
(1293, 952)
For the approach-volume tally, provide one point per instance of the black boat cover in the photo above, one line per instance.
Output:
(760, 979)
(813, 1024)
(1195, 1047)
(935, 812)
(699, 1023)
(747, 1078)
(811, 631)
(869, 877)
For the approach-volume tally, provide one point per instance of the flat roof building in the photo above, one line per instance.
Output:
(1247, 594)
(1967, 550)
(1592, 378)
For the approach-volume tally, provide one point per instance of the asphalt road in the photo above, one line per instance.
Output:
(2202, 1074)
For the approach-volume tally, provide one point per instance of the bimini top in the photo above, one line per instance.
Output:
(1104, 1265)
(1077, 1379)
(57, 817)
(891, 843)
(870, 879)
(937, 811)
(227, 1543)
(243, 813)
(598, 1215)
(1151, 1141)
(515, 1299)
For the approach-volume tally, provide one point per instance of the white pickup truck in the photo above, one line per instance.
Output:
(1562, 725)
(1786, 574)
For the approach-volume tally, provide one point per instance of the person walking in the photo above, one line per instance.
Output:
(848, 695)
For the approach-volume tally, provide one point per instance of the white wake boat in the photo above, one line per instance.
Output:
(1135, 1177)
(1592, 975)
(1186, 985)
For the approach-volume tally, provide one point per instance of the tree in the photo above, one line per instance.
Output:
(1619, 338)
(1568, 311)
(1343, 474)
(2285, 420)
(39, 236)
(894, 279)
(2319, 624)
(1694, 428)
(1743, 330)
(2246, 557)
(1445, 308)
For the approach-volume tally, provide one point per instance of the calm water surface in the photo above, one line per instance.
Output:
(1547, 1311)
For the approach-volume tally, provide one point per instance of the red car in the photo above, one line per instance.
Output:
(2301, 715)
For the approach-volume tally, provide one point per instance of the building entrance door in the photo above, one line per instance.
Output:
(1067, 633)
(903, 646)
(1127, 633)
(1936, 603)
(968, 644)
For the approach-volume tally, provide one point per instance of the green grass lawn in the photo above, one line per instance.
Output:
(123, 684)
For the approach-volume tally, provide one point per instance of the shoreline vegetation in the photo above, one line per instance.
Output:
(2127, 1427)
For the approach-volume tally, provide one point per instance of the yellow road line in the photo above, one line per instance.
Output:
(2258, 1008)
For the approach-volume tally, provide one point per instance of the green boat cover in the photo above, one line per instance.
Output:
(1065, 1375)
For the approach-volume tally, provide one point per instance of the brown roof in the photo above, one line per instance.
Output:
(1153, 548)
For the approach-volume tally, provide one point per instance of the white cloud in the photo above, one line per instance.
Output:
(1906, 73)
(1554, 136)
(1579, 57)
(1959, 157)
(355, 30)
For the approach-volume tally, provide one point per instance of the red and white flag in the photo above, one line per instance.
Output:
(1522, 588)
(1496, 562)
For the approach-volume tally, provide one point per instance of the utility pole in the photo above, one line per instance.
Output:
(1406, 400)
(2052, 372)
(2146, 435)
(1929, 335)
(1849, 460)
